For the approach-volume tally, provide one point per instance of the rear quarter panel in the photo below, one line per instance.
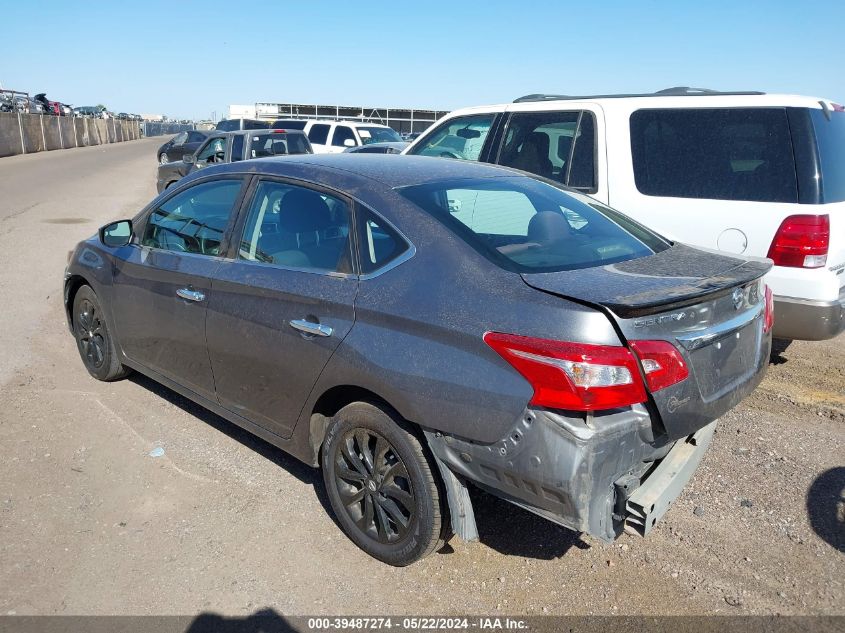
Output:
(417, 339)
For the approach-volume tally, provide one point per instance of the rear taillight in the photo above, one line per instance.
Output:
(662, 363)
(573, 376)
(801, 241)
(582, 377)
(769, 314)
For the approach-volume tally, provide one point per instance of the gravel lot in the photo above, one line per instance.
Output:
(90, 523)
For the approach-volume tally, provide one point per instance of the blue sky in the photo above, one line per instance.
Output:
(187, 59)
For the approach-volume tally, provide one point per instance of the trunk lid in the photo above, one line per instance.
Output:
(709, 306)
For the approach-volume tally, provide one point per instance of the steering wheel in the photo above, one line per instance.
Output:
(447, 154)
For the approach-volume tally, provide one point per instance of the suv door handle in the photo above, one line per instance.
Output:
(309, 327)
(190, 295)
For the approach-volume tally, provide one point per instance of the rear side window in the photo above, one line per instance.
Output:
(719, 153)
(527, 225)
(319, 133)
(296, 227)
(379, 244)
(462, 138)
(830, 137)
(555, 145)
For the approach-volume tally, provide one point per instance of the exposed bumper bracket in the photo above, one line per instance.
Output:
(648, 503)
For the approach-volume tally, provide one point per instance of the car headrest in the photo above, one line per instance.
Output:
(548, 227)
(302, 211)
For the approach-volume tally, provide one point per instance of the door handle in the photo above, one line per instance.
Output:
(309, 327)
(190, 295)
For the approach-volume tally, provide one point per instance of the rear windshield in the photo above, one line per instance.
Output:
(830, 136)
(525, 225)
(378, 135)
(264, 145)
(715, 153)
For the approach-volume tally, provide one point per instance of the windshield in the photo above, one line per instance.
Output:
(526, 225)
(378, 135)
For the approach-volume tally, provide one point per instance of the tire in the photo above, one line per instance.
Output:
(163, 159)
(381, 485)
(93, 340)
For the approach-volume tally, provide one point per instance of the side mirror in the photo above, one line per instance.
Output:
(189, 158)
(349, 143)
(117, 233)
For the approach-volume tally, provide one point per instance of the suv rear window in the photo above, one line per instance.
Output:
(526, 225)
(830, 136)
(719, 153)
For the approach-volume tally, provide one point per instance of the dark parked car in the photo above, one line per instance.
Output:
(180, 145)
(412, 325)
(231, 147)
(378, 148)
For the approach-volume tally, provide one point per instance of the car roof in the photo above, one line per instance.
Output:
(359, 169)
(668, 99)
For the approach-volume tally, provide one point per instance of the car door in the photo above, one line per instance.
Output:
(282, 303)
(161, 288)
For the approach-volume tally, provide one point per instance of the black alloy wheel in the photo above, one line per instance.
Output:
(374, 485)
(91, 332)
(383, 485)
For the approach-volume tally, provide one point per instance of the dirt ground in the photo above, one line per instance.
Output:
(90, 523)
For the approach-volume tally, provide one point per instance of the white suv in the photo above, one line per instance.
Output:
(746, 173)
(332, 137)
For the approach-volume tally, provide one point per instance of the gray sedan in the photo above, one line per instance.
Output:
(415, 325)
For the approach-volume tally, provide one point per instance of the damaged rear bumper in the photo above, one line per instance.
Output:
(593, 474)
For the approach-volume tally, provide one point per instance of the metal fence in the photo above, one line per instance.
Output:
(157, 128)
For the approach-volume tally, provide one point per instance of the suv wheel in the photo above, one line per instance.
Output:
(382, 486)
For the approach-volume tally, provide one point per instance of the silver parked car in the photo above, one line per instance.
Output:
(413, 326)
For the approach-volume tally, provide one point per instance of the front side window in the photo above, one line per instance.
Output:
(526, 225)
(295, 227)
(319, 133)
(718, 153)
(179, 139)
(342, 133)
(555, 145)
(213, 152)
(462, 138)
(378, 135)
(194, 220)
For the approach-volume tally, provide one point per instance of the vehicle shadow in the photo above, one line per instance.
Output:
(779, 346)
(512, 531)
(305, 473)
(826, 507)
(263, 621)
(502, 526)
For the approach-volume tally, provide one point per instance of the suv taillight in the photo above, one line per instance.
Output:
(583, 377)
(801, 242)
